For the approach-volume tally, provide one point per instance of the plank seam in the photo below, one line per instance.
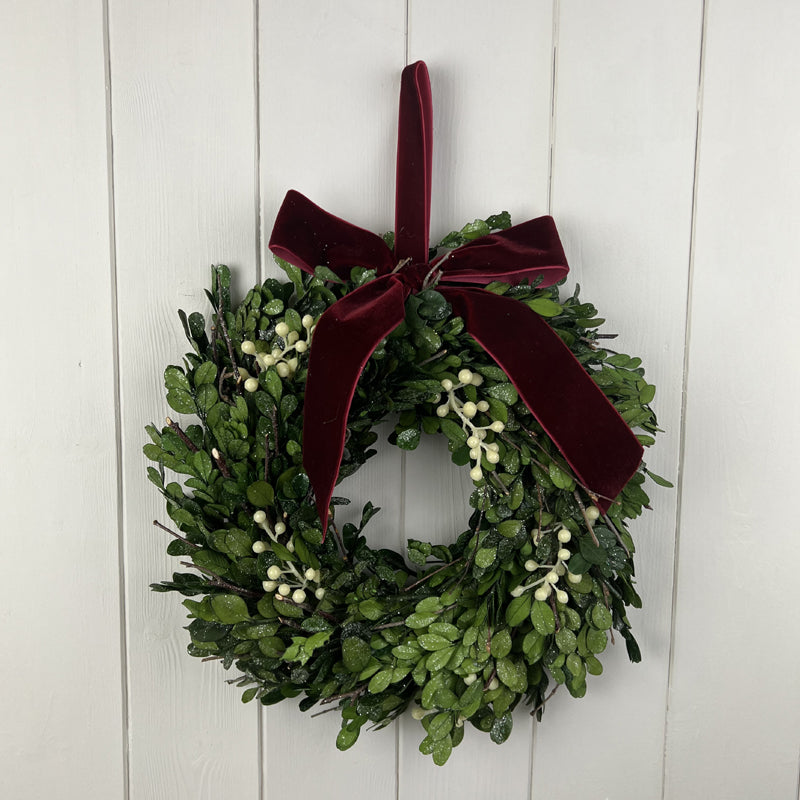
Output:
(115, 345)
(553, 95)
(551, 162)
(257, 99)
(686, 365)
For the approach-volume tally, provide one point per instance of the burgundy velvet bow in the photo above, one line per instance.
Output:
(577, 416)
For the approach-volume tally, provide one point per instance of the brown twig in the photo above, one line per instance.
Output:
(176, 535)
(339, 541)
(498, 484)
(222, 584)
(439, 354)
(307, 607)
(613, 527)
(181, 435)
(589, 523)
(221, 463)
(224, 328)
(541, 705)
(430, 575)
(345, 695)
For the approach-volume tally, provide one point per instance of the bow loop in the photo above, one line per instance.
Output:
(577, 416)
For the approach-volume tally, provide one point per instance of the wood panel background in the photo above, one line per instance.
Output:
(142, 141)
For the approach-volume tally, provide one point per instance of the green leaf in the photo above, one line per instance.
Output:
(260, 494)
(418, 621)
(441, 750)
(601, 617)
(501, 644)
(659, 480)
(181, 401)
(542, 618)
(205, 373)
(356, 653)
(501, 728)
(504, 392)
(408, 439)
(230, 608)
(207, 397)
(273, 307)
(347, 738)
(518, 610)
(175, 379)
(509, 528)
(432, 641)
(441, 725)
(544, 307)
(566, 641)
(513, 673)
(647, 394)
(273, 383)
(560, 478)
(485, 557)
(596, 640)
(380, 681)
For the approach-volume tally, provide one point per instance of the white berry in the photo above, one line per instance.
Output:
(290, 546)
(283, 370)
(477, 380)
(292, 337)
(282, 329)
(531, 565)
(299, 596)
(280, 528)
(259, 547)
(320, 593)
(251, 384)
(497, 426)
(248, 348)
(447, 384)
(562, 596)
(483, 405)
(469, 410)
(274, 572)
(492, 456)
(259, 517)
(470, 679)
(517, 591)
(564, 554)
(307, 321)
(592, 513)
(284, 590)
(476, 473)
(442, 410)
(551, 577)
(418, 713)
(564, 536)
(473, 441)
(542, 593)
(475, 453)
(465, 376)
(301, 347)
(269, 586)
(493, 684)
(574, 577)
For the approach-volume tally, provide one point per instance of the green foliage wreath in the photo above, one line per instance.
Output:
(463, 631)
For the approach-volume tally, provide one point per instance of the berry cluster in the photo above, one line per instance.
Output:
(279, 358)
(466, 411)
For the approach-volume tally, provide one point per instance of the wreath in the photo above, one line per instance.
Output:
(469, 339)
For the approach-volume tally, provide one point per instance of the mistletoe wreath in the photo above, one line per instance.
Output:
(468, 339)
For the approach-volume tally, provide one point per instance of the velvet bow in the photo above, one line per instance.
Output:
(595, 441)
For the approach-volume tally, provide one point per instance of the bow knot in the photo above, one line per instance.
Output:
(577, 416)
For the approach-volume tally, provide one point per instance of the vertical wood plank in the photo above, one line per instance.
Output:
(61, 702)
(625, 124)
(491, 80)
(329, 80)
(733, 729)
(184, 130)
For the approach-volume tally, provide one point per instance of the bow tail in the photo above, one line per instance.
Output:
(344, 339)
(573, 411)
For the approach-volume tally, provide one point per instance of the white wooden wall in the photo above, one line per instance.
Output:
(140, 141)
